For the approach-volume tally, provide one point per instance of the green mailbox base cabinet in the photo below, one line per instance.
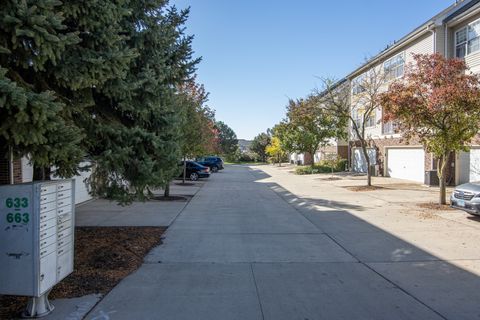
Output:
(36, 240)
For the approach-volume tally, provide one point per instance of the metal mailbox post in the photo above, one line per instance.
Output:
(36, 240)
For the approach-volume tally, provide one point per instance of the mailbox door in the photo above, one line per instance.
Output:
(17, 231)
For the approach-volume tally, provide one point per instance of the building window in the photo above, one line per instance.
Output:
(358, 85)
(467, 40)
(389, 128)
(356, 118)
(394, 67)
(370, 122)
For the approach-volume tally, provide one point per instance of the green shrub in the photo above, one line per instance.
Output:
(321, 167)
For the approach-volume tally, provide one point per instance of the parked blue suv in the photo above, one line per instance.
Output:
(214, 163)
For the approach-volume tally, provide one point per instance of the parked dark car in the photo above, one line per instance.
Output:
(195, 171)
(214, 163)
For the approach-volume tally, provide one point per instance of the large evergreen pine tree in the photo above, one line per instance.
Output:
(34, 118)
(95, 79)
(136, 135)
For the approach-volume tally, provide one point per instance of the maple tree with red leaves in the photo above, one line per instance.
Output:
(438, 102)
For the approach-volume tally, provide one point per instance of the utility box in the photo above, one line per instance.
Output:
(36, 239)
(431, 178)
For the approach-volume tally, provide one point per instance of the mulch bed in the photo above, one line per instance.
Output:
(172, 198)
(186, 184)
(364, 188)
(330, 179)
(435, 206)
(103, 257)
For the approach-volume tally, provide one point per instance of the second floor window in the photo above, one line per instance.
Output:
(389, 127)
(370, 121)
(394, 67)
(358, 85)
(467, 40)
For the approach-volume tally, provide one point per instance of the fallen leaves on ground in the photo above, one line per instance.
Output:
(103, 257)
(363, 188)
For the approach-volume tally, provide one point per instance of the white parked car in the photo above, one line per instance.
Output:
(466, 197)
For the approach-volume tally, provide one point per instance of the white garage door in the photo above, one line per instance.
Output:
(407, 164)
(81, 191)
(359, 161)
(475, 165)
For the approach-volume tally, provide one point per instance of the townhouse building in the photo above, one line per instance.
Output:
(454, 32)
(334, 146)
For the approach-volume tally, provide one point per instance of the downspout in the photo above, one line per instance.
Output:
(446, 50)
(10, 162)
(431, 28)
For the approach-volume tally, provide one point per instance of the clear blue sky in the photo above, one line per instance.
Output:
(258, 53)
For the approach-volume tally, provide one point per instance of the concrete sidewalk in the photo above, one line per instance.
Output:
(153, 213)
(262, 244)
(105, 213)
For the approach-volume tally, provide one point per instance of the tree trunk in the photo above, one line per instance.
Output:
(367, 159)
(442, 164)
(184, 168)
(166, 194)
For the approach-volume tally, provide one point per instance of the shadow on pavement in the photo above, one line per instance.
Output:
(448, 285)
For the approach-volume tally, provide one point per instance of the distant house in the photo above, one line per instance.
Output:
(244, 145)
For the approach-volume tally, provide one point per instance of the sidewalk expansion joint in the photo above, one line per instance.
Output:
(256, 290)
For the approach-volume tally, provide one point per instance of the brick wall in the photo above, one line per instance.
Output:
(5, 171)
(476, 140)
(380, 147)
(307, 159)
(341, 151)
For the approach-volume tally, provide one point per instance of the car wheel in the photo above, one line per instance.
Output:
(194, 176)
(214, 169)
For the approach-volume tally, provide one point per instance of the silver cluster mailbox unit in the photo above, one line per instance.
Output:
(36, 240)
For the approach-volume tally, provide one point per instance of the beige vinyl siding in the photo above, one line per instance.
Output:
(440, 37)
(473, 62)
(423, 45)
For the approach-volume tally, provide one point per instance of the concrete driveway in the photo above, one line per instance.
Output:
(260, 243)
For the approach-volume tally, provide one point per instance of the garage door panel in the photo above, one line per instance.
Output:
(474, 165)
(407, 164)
(359, 161)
